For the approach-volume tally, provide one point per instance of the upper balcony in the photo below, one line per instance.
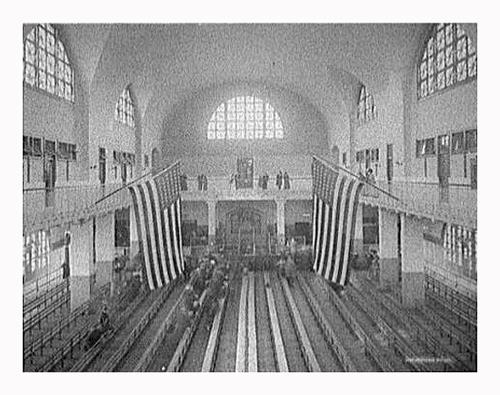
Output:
(43, 208)
(457, 204)
(220, 188)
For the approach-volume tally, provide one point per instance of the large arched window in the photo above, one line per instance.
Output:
(124, 110)
(366, 106)
(245, 118)
(449, 57)
(46, 64)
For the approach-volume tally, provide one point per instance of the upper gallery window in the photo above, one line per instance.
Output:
(46, 63)
(449, 57)
(124, 110)
(245, 118)
(366, 106)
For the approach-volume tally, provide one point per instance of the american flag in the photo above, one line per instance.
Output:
(335, 202)
(157, 208)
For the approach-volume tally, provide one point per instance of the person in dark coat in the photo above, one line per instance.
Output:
(290, 270)
(104, 319)
(286, 181)
(279, 179)
(265, 180)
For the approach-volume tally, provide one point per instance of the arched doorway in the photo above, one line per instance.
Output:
(245, 230)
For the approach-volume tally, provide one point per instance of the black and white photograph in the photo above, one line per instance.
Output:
(248, 196)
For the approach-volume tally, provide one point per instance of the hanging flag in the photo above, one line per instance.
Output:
(157, 208)
(335, 202)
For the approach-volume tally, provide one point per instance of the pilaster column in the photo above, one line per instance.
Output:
(280, 221)
(81, 268)
(212, 222)
(412, 261)
(358, 232)
(388, 247)
(105, 248)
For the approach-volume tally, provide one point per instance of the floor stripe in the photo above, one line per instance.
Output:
(241, 345)
(252, 331)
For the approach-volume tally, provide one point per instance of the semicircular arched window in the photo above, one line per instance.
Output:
(449, 58)
(46, 63)
(245, 118)
(124, 109)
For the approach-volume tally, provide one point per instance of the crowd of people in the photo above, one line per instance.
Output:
(210, 275)
(282, 180)
(202, 182)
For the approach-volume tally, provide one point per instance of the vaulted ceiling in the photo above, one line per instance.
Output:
(166, 63)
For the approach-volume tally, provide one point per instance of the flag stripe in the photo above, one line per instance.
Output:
(173, 217)
(341, 230)
(331, 235)
(345, 276)
(142, 237)
(170, 241)
(160, 250)
(319, 223)
(179, 233)
(338, 219)
(163, 232)
(147, 222)
(345, 224)
(327, 224)
(154, 235)
(315, 221)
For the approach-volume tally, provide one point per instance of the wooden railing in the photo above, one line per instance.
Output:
(420, 332)
(279, 348)
(44, 299)
(462, 306)
(119, 354)
(90, 355)
(304, 341)
(39, 317)
(67, 322)
(213, 341)
(149, 353)
(335, 343)
(180, 352)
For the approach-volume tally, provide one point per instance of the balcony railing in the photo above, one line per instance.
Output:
(220, 188)
(42, 207)
(457, 204)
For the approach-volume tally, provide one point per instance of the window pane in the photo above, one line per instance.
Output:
(450, 76)
(461, 71)
(449, 33)
(423, 70)
(42, 80)
(450, 56)
(472, 66)
(461, 50)
(440, 39)
(29, 74)
(440, 60)
(51, 83)
(441, 80)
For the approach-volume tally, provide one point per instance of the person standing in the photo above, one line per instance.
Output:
(279, 179)
(200, 182)
(286, 180)
(265, 180)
